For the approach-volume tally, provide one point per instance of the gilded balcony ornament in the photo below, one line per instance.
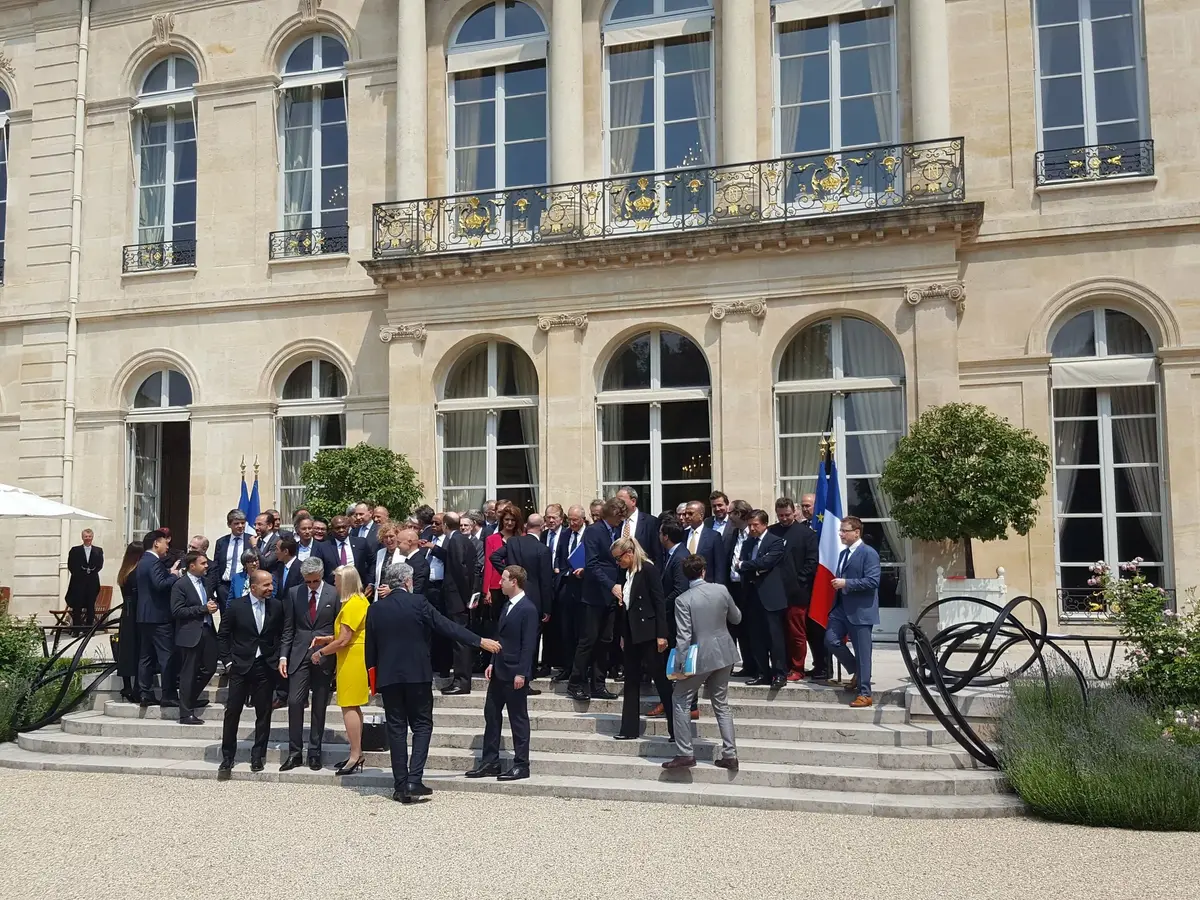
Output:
(756, 307)
(414, 332)
(578, 321)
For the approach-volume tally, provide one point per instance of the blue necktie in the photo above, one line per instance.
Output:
(842, 561)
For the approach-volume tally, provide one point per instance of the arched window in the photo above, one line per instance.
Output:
(659, 110)
(165, 142)
(654, 421)
(159, 453)
(312, 418)
(844, 377)
(1108, 490)
(488, 429)
(498, 137)
(5, 106)
(315, 150)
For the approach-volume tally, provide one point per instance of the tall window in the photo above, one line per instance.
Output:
(1107, 460)
(158, 450)
(654, 420)
(312, 418)
(5, 106)
(499, 110)
(165, 123)
(844, 378)
(315, 150)
(488, 429)
(1091, 88)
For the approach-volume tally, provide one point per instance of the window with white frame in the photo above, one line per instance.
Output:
(312, 418)
(5, 106)
(835, 83)
(160, 399)
(165, 142)
(843, 378)
(488, 428)
(314, 149)
(497, 68)
(654, 420)
(1091, 88)
(1108, 483)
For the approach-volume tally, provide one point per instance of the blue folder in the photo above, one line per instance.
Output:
(577, 557)
(689, 663)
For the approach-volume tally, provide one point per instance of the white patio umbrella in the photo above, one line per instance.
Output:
(17, 503)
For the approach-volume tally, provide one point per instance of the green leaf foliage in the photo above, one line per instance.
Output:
(336, 478)
(965, 473)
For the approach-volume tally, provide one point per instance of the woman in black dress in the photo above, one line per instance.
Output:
(127, 631)
(644, 634)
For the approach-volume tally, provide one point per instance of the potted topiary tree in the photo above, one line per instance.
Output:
(965, 474)
(334, 479)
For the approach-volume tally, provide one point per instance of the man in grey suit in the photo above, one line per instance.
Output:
(309, 609)
(703, 614)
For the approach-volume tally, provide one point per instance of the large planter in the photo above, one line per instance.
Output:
(957, 612)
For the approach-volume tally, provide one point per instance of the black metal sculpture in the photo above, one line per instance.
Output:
(930, 662)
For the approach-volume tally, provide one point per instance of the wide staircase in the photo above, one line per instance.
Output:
(800, 748)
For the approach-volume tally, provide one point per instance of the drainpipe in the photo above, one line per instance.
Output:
(68, 470)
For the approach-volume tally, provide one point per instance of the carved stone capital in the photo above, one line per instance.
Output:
(413, 332)
(953, 291)
(161, 26)
(308, 9)
(578, 321)
(756, 307)
(6, 65)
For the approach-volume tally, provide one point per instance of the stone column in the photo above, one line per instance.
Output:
(412, 105)
(930, 52)
(739, 100)
(566, 92)
(936, 349)
(568, 422)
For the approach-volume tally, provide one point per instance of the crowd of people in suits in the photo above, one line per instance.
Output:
(375, 606)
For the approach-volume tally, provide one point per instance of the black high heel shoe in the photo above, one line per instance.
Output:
(357, 767)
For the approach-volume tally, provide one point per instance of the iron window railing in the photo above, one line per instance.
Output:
(163, 255)
(777, 190)
(1101, 162)
(309, 242)
(1081, 604)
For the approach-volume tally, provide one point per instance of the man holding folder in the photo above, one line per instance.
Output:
(703, 614)
(569, 558)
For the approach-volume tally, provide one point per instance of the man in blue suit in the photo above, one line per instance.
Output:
(156, 625)
(307, 545)
(770, 579)
(508, 676)
(603, 584)
(855, 609)
(702, 540)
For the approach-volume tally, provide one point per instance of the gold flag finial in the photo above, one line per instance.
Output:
(243, 465)
(256, 466)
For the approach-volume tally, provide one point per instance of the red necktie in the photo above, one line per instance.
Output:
(343, 553)
(312, 606)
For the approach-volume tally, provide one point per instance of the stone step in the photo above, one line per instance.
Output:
(898, 735)
(682, 790)
(197, 743)
(803, 710)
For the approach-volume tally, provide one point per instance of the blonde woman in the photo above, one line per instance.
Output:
(348, 641)
(644, 634)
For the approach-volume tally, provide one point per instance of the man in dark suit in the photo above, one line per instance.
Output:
(490, 523)
(603, 583)
(733, 541)
(227, 557)
(307, 545)
(451, 563)
(802, 546)
(195, 635)
(400, 628)
(674, 582)
(568, 590)
(266, 537)
(640, 525)
(156, 627)
(286, 573)
(702, 540)
(767, 569)
(309, 610)
(471, 526)
(855, 608)
(349, 549)
(362, 525)
(84, 562)
(554, 529)
(529, 553)
(508, 676)
(247, 644)
(814, 631)
(424, 515)
(718, 502)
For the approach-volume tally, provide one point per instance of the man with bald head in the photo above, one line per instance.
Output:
(702, 540)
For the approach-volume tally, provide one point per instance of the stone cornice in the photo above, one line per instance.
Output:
(951, 221)
(233, 86)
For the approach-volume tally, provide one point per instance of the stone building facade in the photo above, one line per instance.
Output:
(229, 237)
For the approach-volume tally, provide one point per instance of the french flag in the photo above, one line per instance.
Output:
(828, 513)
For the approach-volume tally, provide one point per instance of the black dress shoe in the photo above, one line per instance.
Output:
(420, 790)
(290, 763)
(191, 720)
(578, 694)
(604, 694)
(169, 704)
(257, 765)
(516, 773)
(532, 691)
(314, 763)
(455, 690)
(758, 681)
(147, 702)
(625, 737)
(402, 796)
(778, 682)
(225, 770)
(483, 770)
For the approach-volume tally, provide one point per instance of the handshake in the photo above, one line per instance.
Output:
(489, 645)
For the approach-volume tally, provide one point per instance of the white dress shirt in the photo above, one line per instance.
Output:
(233, 561)
(87, 553)
(437, 569)
(303, 552)
(337, 550)
(849, 551)
(260, 617)
(734, 574)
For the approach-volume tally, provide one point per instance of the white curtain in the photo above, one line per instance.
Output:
(465, 429)
(809, 355)
(152, 182)
(868, 351)
(808, 414)
(879, 59)
(1068, 445)
(468, 129)
(1135, 441)
(699, 55)
(879, 411)
(469, 377)
(625, 107)
(789, 116)
(297, 158)
(514, 368)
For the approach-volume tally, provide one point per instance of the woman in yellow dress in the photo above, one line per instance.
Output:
(348, 641)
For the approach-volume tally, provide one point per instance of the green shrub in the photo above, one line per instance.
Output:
(20, 661)
(1107, 763)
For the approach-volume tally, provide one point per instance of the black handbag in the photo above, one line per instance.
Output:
(374, 736)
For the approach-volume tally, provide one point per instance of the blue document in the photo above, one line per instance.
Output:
(577, 558)
(689, 664)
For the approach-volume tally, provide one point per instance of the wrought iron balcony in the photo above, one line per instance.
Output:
(1089, 604)
(1102, 162)
(163, 255)
(776, 190)
(309, 242)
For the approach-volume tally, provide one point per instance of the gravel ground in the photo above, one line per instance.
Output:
(100, 836)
